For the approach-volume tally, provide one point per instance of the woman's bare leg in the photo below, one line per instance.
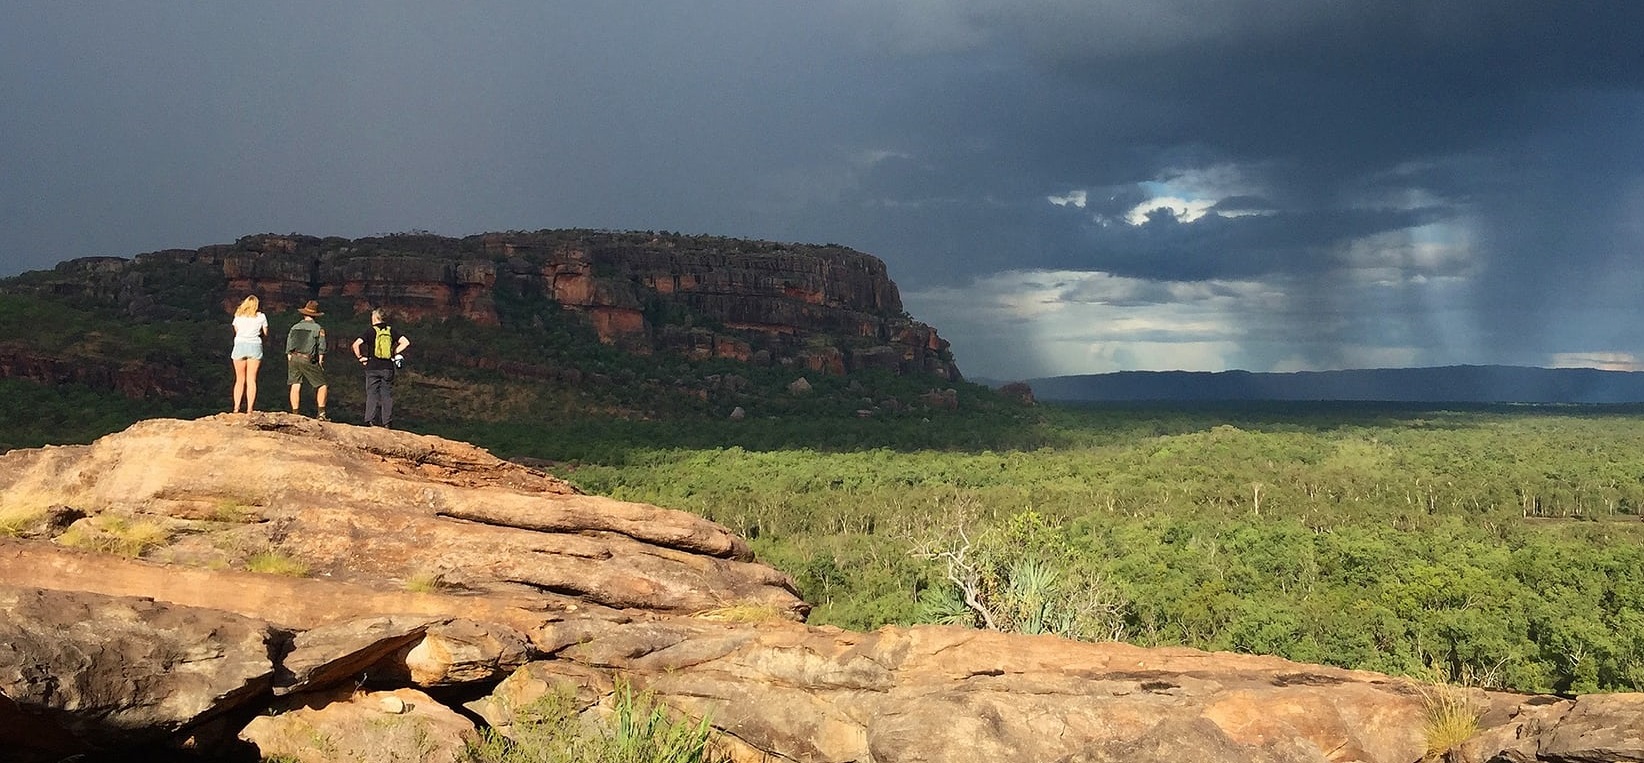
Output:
(251, 366)
(239, 382)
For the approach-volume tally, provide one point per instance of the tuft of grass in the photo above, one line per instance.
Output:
(15, 520)
(645, 731)
(746, 612)
(548, 730)
(1451, 718)
(233, 511)
(425, 582)
(275, 562)
(640, 730)
(116, 535)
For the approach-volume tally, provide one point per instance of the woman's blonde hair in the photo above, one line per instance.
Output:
(247, 308)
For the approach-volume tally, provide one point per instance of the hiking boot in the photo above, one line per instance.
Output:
(322, 416)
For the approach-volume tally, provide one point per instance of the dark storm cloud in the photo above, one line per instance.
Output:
(1514, 123)
(1326, 103)
(933, 134)
(136, 126)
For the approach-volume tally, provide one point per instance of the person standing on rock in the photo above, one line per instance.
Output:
(381, 352)
(250, 326)
(305, 358)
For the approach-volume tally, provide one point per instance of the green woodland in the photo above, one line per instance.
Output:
(1495, 546)
(1489, 545)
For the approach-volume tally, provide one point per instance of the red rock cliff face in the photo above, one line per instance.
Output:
(825, 308)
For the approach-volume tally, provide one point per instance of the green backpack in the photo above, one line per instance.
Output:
(383, 347)
(304, 339)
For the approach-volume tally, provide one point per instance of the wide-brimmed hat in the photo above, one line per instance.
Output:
(311, 309)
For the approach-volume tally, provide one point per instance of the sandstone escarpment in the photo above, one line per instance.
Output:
(823, 308)
(425, 584)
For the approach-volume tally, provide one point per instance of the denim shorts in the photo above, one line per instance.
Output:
(247, 349)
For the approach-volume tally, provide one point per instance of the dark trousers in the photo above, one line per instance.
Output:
(379, 397)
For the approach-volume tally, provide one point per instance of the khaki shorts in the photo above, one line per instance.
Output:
(300, 369)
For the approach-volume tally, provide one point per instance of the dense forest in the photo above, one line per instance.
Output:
(1493, 546)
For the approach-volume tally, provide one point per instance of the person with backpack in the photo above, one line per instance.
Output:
(305, 358)
(381, 353)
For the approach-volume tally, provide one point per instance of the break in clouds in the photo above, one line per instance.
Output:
(1402, 184)
(1059, 186)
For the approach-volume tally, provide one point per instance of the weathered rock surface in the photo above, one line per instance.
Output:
(85, 672)
(524, 587)
(370, 727)
(388, 510)
(945, 694)
(1599, 727)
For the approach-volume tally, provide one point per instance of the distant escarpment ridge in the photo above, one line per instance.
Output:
(825, 308)
(1444, 384)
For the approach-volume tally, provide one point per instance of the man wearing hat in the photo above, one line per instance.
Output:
(305, 357)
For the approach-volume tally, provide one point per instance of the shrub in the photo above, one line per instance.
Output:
(116, 535)
(275, 562)
(1451, 718)
(14, 520)
(1022, 577)
(425, 582)
(639, 730)
(231, 510)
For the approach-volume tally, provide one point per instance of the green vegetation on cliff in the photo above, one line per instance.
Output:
(490, 343)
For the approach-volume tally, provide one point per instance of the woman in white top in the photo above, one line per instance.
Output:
(250, 326)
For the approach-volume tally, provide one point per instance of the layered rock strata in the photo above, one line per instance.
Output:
(825, 308)
(378, 507)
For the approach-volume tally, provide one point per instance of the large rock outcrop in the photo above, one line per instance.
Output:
(426, 583)
(377, 507)
(825, 308)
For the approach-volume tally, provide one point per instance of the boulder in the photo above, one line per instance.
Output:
(345, 652)
(82, 672)
(364, 726)
(462, 652)
(1598, 728)
(944, 399)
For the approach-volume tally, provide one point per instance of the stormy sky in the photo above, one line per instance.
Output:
(1060, 186)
